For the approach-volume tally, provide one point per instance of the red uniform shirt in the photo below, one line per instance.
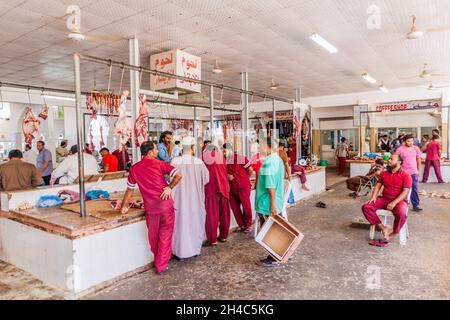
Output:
(112, 161)
(119, 157)
(218, 175)
(237, 167)
(149, 175)
(394, 183)
(433, 150)
(293, 154)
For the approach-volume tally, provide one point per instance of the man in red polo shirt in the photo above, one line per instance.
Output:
(433, 159)
(217, 195)
(149, 175)
(239, 172)
(397, 184)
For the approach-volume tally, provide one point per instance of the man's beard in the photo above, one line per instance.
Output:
(390, 168)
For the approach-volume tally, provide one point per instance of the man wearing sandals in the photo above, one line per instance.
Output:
(396, 183)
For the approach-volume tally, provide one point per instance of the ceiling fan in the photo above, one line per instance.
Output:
(432, 86)
(71, 22)
(426, 74)
(416, 33)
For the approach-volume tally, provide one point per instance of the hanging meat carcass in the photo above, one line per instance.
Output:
(30, 125)
(91, 104)
(141, 125)
(44, 112)
(122, 129)
(298, 127)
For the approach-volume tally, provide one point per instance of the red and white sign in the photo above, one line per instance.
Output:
(176, 62)
(391, 107)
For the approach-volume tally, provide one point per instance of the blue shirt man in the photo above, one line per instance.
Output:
(165, 147)
(44, 162)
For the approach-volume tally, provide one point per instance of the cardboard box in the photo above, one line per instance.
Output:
(279, 238)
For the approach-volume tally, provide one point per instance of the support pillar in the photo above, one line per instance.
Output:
(316, 143)
(244, 115)
(373, 139)
(135, 87)
(298, 144)
(362, 139)
(79, 120)
(195, 133)
(274, 121)
(211, 113)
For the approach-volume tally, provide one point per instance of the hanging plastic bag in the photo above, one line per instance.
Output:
(291, 199)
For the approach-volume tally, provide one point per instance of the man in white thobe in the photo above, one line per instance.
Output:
(189, 203)
(67, 171)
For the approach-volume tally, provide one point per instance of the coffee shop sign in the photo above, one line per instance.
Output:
(407, 106)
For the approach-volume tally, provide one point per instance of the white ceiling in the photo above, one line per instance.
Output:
(269, 39)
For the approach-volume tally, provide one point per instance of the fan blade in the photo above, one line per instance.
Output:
(104, 38)
(439, 29)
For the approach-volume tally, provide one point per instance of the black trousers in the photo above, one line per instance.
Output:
(47, 180)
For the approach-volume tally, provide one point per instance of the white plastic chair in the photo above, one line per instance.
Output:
(384, 214)
(287, 192)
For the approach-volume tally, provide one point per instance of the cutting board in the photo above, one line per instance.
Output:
(101, 209)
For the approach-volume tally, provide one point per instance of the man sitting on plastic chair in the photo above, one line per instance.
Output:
(397, 184)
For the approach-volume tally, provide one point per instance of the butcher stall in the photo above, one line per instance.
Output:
(83, 244)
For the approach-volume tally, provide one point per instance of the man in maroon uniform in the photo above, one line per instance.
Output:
(396, 183)
(121, 156)
(217, 193)
(149, 175)
(239, 171)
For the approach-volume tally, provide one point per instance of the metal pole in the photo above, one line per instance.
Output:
(76, 60)
(211, 112)
(195, 133)
(244, 114)
(298, 145)
(448, 131)
(274, 116)
(360, 134)
(135, 87)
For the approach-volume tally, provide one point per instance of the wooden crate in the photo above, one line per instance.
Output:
(279, 238)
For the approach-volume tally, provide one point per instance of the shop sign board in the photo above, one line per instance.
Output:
(408, 106)
(176, 62)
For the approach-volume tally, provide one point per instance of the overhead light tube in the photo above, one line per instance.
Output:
(369, 78)
(383, 88)
(323, 43)
(52, 97)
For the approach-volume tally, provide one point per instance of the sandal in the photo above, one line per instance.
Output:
(321, 205)
(379, 243)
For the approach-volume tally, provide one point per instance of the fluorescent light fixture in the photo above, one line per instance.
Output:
(157, 94)
(323, 43)
(217, 68)
(383, 88)
(369, 78)
(273, 85)
(52, 97)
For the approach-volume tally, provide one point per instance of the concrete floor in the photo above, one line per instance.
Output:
(334, 261)
(16, 284)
